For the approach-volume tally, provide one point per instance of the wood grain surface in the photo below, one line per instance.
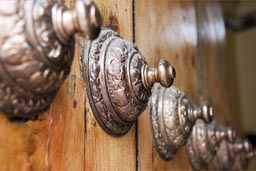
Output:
(167, 30)
(189, 34)
(104, 152)
(213, 60)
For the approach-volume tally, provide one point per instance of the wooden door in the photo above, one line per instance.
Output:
(190, 34)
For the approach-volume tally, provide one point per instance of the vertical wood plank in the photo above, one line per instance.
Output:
(214, 61)
(65, 148)
(66, 131)
(67, 136)
(214, 71)
(57, 139)
(19, 144)
(104, 152)
(167, 30)
(54, 140)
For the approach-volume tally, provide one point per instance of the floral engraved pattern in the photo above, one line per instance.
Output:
(198, 143)
(29, 78)
(159, 138)
(118, 78)
(241, 162)
(106, 65)
(90, 66)
(171, 121)
(225, 156)
(116, 71)
(202, 146)
(136, 62)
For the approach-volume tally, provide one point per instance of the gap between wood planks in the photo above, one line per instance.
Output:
(136, 124)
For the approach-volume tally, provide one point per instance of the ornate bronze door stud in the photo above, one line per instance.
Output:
(204, 142)
(37, 49)
(118, 80)
(172, 118)
(227, 152)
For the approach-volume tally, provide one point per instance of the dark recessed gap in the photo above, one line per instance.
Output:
(17, 119)
(136, 125)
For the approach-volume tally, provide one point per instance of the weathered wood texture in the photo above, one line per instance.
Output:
(213, 60)
(104, 152)
(55, 140)
(67, 137)
(167, 30)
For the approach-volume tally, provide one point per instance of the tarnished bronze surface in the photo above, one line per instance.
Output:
(172, 118)
(243, 159)
(226, 154)
(204, 142)
(37, 48)
(119, 80)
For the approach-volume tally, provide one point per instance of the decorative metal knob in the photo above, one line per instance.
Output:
(37, 49)
(172, 119)
(118, 80)
(226, 154)
(243, 158)
(204, 142)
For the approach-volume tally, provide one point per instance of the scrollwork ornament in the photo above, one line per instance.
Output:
(227, 152)
(172, 118)
(36, 51)
(117, 80)
(243, 159)
(204, 142)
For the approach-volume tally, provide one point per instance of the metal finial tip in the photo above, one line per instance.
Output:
(89, 20)
(231, 134)
(247, 146)
(95, 22)
(207, 113)
(165, 73)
